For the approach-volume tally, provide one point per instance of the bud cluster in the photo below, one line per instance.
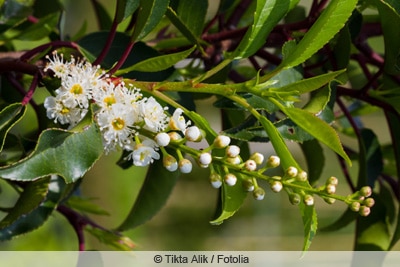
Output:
(361, 201)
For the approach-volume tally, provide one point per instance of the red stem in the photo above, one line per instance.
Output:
(32, 88)
(123, 58)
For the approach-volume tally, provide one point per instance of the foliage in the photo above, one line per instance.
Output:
(288, 71)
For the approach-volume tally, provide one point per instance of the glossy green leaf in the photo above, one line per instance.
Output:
(315, 158)
(332, 19)
(268, 13)
(41, 29)
(9, 116)
(319, 100)
(68, 154)
(157, 63)
(317, 128)
(37, 217)
(374, 161)
(150, 14)
(232, 198)
(310, 224)
(154, 193)
(125, 8)
(33, 194)
(390, 21)
(103, 18)
(193, 14)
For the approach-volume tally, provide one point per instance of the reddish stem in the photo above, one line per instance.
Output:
(123, 58)
(31, 91)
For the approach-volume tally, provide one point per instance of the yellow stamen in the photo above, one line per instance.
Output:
(76, 89)
(109, 100)
(118, 124)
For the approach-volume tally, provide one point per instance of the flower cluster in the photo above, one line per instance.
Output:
(121, 112)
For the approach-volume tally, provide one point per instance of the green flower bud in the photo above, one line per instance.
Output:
(295, 198)
(273, 162)
(308, 200)
(332, 180)
(292, 172)
(369, 202)
(248, 185)
(258, 158)
(366, 191)
(302, 176)
(329, 200)
(259, 193)
(355, 206)
(364, 211)
(330, 189)
(276, 186)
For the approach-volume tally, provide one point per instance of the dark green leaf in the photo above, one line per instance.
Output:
(374, 162)
(324, 29)
(36, 218)
(33, 194)
(348, 217)
(157, 63)
(9, 116)
(268, 14)
(150, 14)
(12, 12)
(155, 191)
(68, 154)
(390, 21)
(315, 158)
(232, 200)
(192, 14)
(126, 8)
(103, 18)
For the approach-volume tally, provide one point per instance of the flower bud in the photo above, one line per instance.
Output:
(174, 136)
(215, 180)
(232, 151)
(366, 191)
(308, 200)
(162, 139)
(248, 185)
(222, 141)
(329, 200)
(170, 163)
(295, 198)
(330, 189)
(302, 176)
(273, 162)
(185, 166)
(193, 134)
(355, 206)
(230, 179)
(332, 180)
(258, 158)
(292, 172)
(205, 159)
(364, 211)
(369, 202)
(234, 161)
(250, 165)
(258, 193)
(276, 186)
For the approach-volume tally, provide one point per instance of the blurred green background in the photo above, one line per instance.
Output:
(183, 223)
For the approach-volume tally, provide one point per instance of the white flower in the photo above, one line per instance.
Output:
(144, 153)
(153, 115)
(57, 65)
(116, 125)
(75, 91)
(55, 109)
(177, 121)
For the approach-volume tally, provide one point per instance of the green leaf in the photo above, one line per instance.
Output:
(347, 217)
(9, 116)
(310, 224)
(232, 198)
(193, 14)
(36, 218)
(315, 158)
(319, 100)
(30, 198)
(39, 30)
(85, 205)
(125, 8)
(68, 154)
(121, 243)
(268, 13)
(317, 128)
(102, 16)
(150, 14)
(12, 12)
(155, 191)
(157, 63)
(332, 19)
(390, 22)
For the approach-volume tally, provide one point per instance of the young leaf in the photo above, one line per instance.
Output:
(30, 198)
(232, 200)
(158, 63)
(154, 193)
(36, 218)
(9, 116)
(268, 13)
(151, 13)
(310, 224)
(332, 19)
(317, 128)
(68, 154)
